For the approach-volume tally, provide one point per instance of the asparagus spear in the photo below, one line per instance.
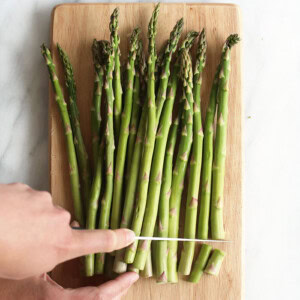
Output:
(124, 132)
(138, 90)
(95, 111)
(134, 152)
(150, 139)
(132, 180)
(62, 105)
(159, 150)
(93, 205)
(131, 268)
(200, 263)
(119, 265)
(163, 212)
(165, 73)
(117, 86)
(148, 272)
(181, 164)
(82, 156)
(108, 53)
(205, 189)
(187, 253)
(215, 262)
(218, 170)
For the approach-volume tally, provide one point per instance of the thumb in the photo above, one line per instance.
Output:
(118, 287)
(85, 242)
(111, 290)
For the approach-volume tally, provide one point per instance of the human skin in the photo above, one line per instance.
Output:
(44, 288)
(35, 236)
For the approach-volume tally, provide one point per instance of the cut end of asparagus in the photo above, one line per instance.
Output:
(215, 262)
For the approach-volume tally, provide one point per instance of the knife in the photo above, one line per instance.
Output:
(148, 238)
(156, 238)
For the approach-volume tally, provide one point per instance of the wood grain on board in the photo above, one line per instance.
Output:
(75, 26)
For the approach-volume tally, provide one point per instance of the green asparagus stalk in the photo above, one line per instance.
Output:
(98, 151)
(82, 156)
(62, 105)
(147, 271)
(124, 132)
(181, 164)
(200, 263)
(134, 151)
(154, 251)
(117, 86)
(187, 253)
(119, 265)
(93, 205)
(160, 148)
(146, 160)
(218, 170)
(131, 268)
(132, 180)
(138, 91)
(165, 73)
(108, 53)
(97, 95)
(205, 188)
(215, 262)
(163, 211)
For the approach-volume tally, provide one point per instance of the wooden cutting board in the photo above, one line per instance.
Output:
(74, 26)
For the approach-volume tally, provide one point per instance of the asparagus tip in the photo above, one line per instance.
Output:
(232, 40)
(189, 40)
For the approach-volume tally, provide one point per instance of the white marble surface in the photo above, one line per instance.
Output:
(271, 65)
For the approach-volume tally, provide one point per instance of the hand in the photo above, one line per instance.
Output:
(43, 287)
(35, 235)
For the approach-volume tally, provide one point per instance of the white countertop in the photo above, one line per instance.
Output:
(271, 65)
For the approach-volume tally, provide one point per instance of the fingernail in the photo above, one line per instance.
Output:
(130, 236)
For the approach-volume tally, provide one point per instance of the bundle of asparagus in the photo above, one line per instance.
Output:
(134, 142)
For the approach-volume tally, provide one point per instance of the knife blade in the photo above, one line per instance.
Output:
(154, 238)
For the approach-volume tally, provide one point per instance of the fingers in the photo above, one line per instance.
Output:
(118, 287)
(84, 242)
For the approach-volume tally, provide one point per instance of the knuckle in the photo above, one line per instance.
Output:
(65, 215)
(20, 186)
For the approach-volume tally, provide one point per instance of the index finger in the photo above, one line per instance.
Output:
(85, 242)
